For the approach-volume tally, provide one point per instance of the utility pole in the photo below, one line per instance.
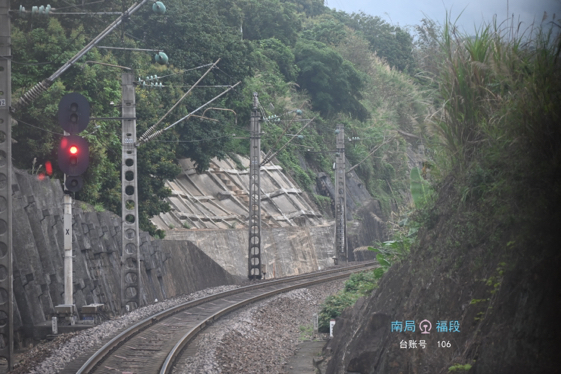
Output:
(254, 255)
(130, 258)
(340, 196)
(6, 271)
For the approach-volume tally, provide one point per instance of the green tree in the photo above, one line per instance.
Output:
(333, 82)
(312, 8)
(278, 52)
(264, 19)
(390, 43)
(326, 29)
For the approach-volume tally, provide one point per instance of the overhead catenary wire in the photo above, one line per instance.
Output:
(195, 140)
(371, 153)
(284, 131)
(153, 135)
(39, 128)
(40, 87)
(153, 127)
(270, 157)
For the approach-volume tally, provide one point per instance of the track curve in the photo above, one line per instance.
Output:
(153, 344)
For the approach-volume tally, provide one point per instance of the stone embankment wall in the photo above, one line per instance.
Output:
(284, 250)
(169, 268)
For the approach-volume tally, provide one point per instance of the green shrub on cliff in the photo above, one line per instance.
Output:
(358, 285)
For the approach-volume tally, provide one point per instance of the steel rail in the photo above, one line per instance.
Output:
(105, 351)
(178, 348)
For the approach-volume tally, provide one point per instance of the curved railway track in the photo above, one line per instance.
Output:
(155, 343)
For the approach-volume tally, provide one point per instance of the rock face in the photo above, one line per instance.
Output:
(504, 302)
(169, 268)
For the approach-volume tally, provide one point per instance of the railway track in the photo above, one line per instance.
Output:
(155, 343)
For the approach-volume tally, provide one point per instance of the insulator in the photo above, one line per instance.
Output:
(298, 112)
(33, 93)
(159, 7)
(155, 77)
(34, 10)
(162, 58)
(47, 9)
(21, 10)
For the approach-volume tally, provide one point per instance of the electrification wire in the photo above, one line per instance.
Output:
(269, 157)
(26, 63)
(181, 72)
(78, 6)
(151, 129)
(194, 141)
(39, 128)
(157, 133)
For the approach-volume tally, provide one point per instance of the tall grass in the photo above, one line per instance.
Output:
(500, 89)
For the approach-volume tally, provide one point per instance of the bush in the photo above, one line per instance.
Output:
(358, 285)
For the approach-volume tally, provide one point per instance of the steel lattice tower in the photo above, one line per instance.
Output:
(340, 197)
(254, 255)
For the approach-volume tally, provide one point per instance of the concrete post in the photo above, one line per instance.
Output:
(68, 287)
(130, 258)
(6, 270)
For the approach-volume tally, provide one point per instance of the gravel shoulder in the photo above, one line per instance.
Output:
(260, 338)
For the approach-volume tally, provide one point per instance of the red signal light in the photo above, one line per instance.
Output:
(49, 168)
(73, 149)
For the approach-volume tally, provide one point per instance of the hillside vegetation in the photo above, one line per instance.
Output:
(486, 254)
(296, 54)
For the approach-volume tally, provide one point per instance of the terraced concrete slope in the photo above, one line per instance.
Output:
(211, 209)
(218, 198)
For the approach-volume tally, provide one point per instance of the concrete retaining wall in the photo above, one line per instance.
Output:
(168, 268)
(285, 250)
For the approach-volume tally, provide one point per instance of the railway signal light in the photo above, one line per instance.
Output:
(73, 155)
(73, 151)
(73, 113)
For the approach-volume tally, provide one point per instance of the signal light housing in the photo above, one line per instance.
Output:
(74, 184)
(73, 151)
(73, 155)
(73, 113)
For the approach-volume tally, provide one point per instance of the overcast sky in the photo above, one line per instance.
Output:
(410, 12)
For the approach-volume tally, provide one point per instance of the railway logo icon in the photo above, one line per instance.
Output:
(425, 326)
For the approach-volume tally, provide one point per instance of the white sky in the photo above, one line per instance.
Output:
(410, 12)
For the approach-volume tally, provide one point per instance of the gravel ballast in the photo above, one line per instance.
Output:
(51, 357)
(258, 339)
